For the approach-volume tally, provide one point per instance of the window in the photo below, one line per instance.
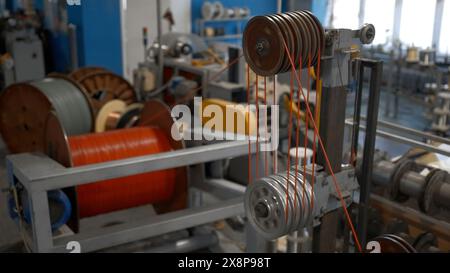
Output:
(417, 21)
(345, 14)
(444, 38)
(380, 13)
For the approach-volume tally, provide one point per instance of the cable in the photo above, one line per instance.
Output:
(338, 191)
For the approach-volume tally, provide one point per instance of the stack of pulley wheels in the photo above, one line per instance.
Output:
(167, 188)
(266, 37)
(24, 108)
(277, 205)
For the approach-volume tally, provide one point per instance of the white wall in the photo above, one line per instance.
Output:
(142, 13)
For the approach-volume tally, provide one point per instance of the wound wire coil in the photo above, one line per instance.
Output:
(125, 192)
(264, 38)
(69, 103)
(268, 210)
(24, 108)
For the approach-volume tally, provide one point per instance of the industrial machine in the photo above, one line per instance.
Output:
(118, 156)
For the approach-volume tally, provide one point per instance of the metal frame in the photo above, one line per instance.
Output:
(40, 174)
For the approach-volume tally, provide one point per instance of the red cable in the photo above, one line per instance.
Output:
(257, 128)
(306, 129)
(266, 163)
(248, 128)
(125, 192)
(338, 191)
(297, 141)
(288, 176)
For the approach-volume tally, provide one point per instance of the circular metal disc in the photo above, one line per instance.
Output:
(288, 39)
(157, 114)
(303, 27)
(104, 87)
(263, 46)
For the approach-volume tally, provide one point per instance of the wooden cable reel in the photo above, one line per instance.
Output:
(85, 71)
(104, 87)
(116, 114)
(24, 108)
(264, 38)
(166, 190)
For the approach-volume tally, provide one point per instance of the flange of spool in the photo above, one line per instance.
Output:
(433, 182)
(108, 115)
(395, 179)
(84, 71)
(268, 210)
(24, 108)
(393, 244)
(103, 87)
(263, 46)
(155, 114)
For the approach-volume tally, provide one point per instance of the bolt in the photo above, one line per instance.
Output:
(261, 210)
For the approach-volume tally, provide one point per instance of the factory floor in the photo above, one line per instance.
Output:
(410, 114)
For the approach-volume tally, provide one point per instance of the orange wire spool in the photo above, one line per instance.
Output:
(165, 189)
(126, 192)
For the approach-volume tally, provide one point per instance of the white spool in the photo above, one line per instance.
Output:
(301, 155)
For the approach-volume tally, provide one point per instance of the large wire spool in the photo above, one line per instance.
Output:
(24, 108)
(270, 212)
(165, 189)
(265, 37)
(104, 87)
(84, 71)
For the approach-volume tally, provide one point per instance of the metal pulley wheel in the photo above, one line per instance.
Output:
(104, 87)
(270, 212)
(266, 37)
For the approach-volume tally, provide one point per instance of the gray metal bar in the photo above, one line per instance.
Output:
(158, 225)
(369, 143)
(41, 227)
(39, 173)
(411, 131)
(404, 140)
(437, 25)
(221, 188)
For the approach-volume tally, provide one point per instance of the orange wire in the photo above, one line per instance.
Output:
(297, 141)
(275, 152)
(257, 128)
(266, 163)
(306, 128)
(123, 192)
(336, 185)
(248, 118)
(288, 176)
